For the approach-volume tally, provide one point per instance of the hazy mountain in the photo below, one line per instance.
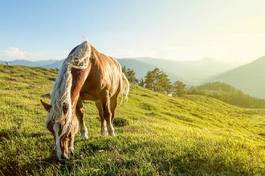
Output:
(39, 63)
(250, 77)
(55, 64)
(194, 72)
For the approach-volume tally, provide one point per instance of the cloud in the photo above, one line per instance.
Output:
(14, 53)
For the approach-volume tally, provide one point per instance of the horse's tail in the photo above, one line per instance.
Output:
(125, 88)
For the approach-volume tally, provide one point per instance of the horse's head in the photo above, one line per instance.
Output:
(62, 129)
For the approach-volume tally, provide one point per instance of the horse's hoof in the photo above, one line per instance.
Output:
(71, 153)
(112, 134)
(84, 136)
(104, 133)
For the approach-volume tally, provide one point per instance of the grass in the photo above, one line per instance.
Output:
(157, 134)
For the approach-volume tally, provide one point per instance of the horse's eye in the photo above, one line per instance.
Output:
(60, 127)
(65, 108)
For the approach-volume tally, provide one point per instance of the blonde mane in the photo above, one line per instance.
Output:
(79, 59)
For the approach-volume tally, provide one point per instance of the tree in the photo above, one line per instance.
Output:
(164, 84)
(141, 82)
(150, 81)
(130, 74)
(179, 88)
(157, 80)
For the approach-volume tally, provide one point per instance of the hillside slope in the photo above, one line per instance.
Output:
(157, 134)
(229, 94)
(249, 78)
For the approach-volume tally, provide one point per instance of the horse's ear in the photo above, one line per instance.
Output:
(48, 95)
(45, 105)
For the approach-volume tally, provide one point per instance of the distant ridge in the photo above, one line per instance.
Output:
(250, 77)
(39, 63)
(194, 72)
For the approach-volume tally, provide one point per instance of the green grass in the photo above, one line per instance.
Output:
(157, 134)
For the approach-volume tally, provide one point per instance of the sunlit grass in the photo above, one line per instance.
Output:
(157, 134)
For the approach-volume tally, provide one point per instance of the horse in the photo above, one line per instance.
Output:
(86, 74)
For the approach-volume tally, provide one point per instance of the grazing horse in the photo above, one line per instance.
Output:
(86, 74)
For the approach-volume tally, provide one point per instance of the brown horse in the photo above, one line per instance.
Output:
(86, 74)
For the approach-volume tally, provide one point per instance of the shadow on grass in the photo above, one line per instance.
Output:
(43, 166)
(9, 134)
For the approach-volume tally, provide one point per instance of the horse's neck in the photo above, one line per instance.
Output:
(79, 77)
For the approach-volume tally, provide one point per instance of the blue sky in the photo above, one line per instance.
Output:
(228, 30)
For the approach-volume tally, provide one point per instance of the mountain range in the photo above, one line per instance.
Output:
(192, 72)
(39, 63)
(249, 77)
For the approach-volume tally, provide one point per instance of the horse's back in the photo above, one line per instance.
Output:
(105, 75)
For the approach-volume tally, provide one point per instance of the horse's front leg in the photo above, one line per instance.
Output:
(104, 131)
(80, 117)
(71, 145)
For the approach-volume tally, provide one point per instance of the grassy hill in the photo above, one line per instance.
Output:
(249, 78)
(228, 94)
(157, 134)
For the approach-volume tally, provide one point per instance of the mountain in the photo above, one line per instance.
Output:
(156, 134)
(39, 63)
(250, 77)
(195, 72)
(55, 64)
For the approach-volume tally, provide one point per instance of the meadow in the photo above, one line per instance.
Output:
(156, 134)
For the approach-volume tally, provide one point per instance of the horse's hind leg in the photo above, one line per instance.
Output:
(107, 113)
(80, 117)
(113, 105)
(104, 131)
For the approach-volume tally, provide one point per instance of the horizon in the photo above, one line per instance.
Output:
(232, 33)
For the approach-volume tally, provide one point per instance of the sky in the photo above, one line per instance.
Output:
(225, 30)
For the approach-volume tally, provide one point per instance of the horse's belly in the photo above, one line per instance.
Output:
(89, 96)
